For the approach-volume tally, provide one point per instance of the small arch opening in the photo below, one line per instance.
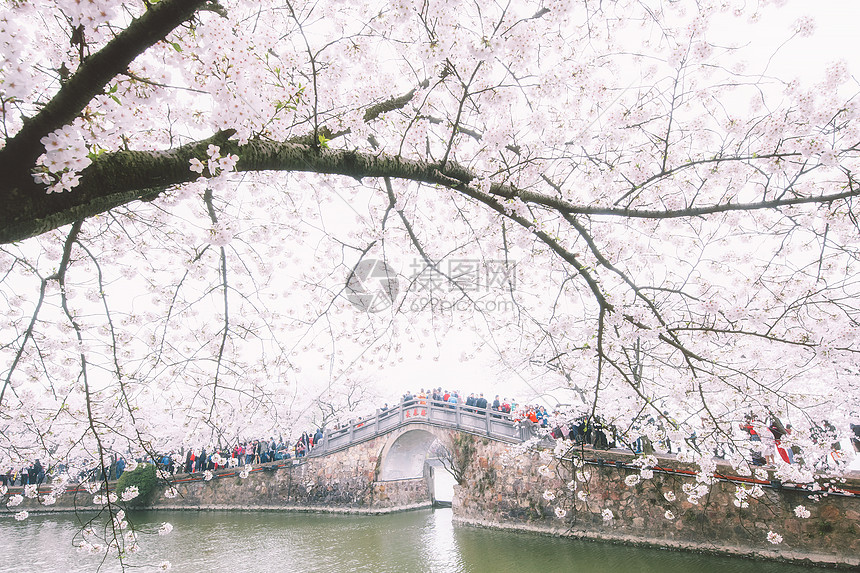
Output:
(442, 481)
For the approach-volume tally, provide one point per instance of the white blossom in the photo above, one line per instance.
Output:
(804, 26)
(774, 538)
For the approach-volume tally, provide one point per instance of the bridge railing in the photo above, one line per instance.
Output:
(470, 419)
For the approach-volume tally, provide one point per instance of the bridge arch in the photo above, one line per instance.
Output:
(405, 454)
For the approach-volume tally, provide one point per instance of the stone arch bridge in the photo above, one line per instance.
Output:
(389, 452)
(414, 426)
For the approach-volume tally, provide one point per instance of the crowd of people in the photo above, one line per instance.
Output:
(250, 453)
(190, 460)
(583, 430)
(24, 475)
(771, 440)
(535, 413)
(767, 439)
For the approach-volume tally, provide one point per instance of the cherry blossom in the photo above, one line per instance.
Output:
(183, 222)
(774, 538)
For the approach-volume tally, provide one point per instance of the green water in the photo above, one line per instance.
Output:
(419, 541)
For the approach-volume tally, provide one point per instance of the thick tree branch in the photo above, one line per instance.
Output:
(112, 180)
(118, 178)
(89, 80)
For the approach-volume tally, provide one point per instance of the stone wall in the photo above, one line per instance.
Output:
(502, 491)
(344, 481)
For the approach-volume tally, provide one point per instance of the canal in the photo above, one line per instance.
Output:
(423, 541)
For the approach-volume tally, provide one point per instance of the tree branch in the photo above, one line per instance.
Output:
(90, 80)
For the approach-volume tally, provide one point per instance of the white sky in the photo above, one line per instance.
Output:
(834, 39)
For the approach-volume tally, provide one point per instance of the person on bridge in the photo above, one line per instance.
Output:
(481, 402)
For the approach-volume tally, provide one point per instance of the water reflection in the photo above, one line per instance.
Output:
(413, 542)
(440, 546)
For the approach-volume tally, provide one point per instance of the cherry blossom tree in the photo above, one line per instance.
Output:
(608, 195)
